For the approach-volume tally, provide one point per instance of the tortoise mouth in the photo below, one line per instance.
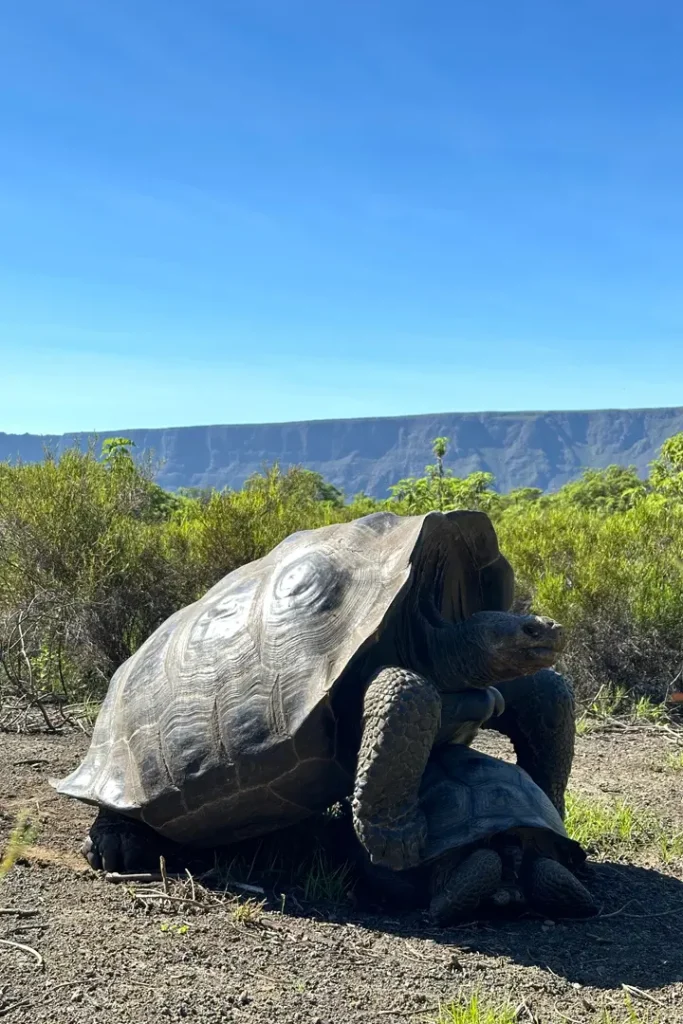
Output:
(544, 652)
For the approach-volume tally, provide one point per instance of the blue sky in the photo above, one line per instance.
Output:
(222, 212)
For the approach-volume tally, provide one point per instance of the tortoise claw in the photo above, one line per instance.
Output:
(398, 846)
(498, 702)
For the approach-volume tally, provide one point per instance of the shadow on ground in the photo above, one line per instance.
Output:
(635, 940)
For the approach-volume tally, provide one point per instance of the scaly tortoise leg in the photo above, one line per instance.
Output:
(553, 890)
(459, 887)
(539, 719)
(117, 843)
(401, 718)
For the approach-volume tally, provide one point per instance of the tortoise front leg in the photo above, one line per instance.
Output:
(117, 843)
(401, 718)
(459, 887)
(539, 719)
(555, 892)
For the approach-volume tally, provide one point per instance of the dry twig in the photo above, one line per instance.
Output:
(639, 993)
(24, 949)
(4, 1010)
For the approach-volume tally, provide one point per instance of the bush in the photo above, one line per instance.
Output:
(616, 581)
(94, 556)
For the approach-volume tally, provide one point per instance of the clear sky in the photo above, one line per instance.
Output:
(220, 212)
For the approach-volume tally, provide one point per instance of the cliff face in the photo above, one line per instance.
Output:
(544, 449)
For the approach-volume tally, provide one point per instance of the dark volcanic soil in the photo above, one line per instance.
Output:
(105, 958)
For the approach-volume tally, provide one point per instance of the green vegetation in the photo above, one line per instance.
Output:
(673, 762)
(475, 1011)
(633, 1016)
(94, 556)
(617, 702)
(323, 880)
(616, 829)
(21, 836)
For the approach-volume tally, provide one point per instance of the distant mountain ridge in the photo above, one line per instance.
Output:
(525, 449)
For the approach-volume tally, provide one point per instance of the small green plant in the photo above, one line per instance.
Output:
(174, 929)
(21, 836)
(633, 1016)
(646, 710)
(323, 881)
(585, 725)
(615, 702)
(84, 713)
(247, 912)
(674, 761)
(473, 1011)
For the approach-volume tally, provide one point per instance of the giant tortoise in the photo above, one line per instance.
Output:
(328, 668)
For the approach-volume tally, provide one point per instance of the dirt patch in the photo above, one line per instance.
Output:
(101, 956)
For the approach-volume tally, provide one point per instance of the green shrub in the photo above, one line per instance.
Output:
(94, 556)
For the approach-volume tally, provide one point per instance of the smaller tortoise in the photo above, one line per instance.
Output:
(495, 843)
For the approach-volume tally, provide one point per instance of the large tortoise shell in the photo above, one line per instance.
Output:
(225, 699)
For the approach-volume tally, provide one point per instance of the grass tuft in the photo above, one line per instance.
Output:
(474, 1011)
(247, 911)
(325, 881)
(617, 829)
(633, 1016)
(674, 761)
(21, 837)
(612, 703)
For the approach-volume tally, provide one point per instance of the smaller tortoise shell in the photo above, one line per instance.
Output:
(469, 797)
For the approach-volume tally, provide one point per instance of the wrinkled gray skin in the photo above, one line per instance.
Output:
(331, 667)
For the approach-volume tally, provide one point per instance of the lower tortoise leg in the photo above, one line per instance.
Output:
(539, 719)
(116, 843)
(554, 891)
(401, 718)
(459, 887)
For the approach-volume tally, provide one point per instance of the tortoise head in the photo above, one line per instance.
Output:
(511, 645)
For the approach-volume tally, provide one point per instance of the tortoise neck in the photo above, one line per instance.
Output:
(457, 657)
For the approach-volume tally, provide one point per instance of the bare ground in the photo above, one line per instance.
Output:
(93, 953)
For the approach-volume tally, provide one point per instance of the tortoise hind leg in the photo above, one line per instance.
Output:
(116, 843)
(539, 720)
(401, 717)
(553, 890)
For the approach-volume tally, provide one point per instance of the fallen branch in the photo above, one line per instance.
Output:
(148, 877)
